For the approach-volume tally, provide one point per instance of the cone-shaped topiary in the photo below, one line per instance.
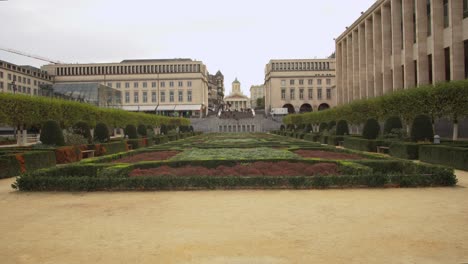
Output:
(308, 128)
(323, 127)
(82, 128)
(142, 130)
(131, 132)
(331, 125)
(101, 133)
(422, 129)
(342, 128)
(51, 134)
(164, 129)
(371, 129)
(391, 123)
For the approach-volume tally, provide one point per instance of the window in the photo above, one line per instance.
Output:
(328, 81)
(292, 94)
(301, 82)
(29, 90)
(189, 96)
(153, 84)
(135, 85)
(328, 93)
(109, 84)
(446, 14)
(283, 82)
(1, 85)
(153, 97)
(145, 97)
(319, 93)
(19, 79)
(429, 58)
(171, 84)
(310, 82)
(171, 96)
(429, 19)
(117, 85)
(145, 85)
(29, 81)
(319, 81)
(189, 83)
(127, 85)
(311, 93)
(447, 64)
(163, 96)
(181, 84)
(465, 8)
(1, 75)
(301, 94)
(127, 97)
(35, 83)
(9, 76)
(163, 84)
(181, 96)
(283, 94)
(291, 82)
(135, 97)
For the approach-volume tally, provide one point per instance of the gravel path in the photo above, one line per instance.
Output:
(329, 226)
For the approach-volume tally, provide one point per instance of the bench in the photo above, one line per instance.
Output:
(383, 149)
(89, 153)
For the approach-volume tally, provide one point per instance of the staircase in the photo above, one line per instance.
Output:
(213, 124)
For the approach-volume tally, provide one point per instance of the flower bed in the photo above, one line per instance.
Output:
(235, 154)
(282, 168)
(147, 156)
(327, 155)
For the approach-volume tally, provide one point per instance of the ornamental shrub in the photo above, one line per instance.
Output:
(51, 134)
(82, 128)
(331, 125)
(191, 129)
(142, 130)
(392, 123)
(342, 128)
(323, 127)
(371, 129)
(131, 132)
(308, 128)
(422, 129)
(164, 129)
(101, 133)
(282, 128)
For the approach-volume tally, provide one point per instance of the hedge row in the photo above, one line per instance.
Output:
(445, 155)
(404, 150)
(15, 164)
(18, 110)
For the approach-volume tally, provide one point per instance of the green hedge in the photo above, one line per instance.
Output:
(335, 140)
(404, 150)
(360, 144)
(136, 143)
(444, 155)
(9, 166)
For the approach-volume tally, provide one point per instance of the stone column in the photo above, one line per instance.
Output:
(344, 64)
(377, 43)
(397, 36)
(457, 52)
(339, 83)
(356, 92)
(387, 49)
(369, 46)
(421, 39)
(362, 62)
(408, 40)
(349, 43)
(438, 58)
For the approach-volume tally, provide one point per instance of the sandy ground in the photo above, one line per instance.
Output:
(330, 226)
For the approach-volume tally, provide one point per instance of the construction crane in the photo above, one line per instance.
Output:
(31, 56)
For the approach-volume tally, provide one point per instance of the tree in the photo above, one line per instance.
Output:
(371, 129)
(51, 134)
(101, 133)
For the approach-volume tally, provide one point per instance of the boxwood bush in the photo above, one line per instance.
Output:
(404, 150)
(444, 155)
(51, 134)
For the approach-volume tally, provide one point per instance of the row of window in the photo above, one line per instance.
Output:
(118, 85)
(17, 88)
(310, 94)
(301, 66)
(128, 69)
(35, 73)
(19, 79)
(136, 97)
(309, 82)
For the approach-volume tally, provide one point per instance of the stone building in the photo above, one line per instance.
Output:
(399, 44)
(256, 92)
(174, 87)
(237, 100)
(215, 90)
(22, 79)
(300, 85)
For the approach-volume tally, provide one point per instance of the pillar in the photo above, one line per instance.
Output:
(369, 58)
(408, 42)
(362, 62)
(397, 36)
(438, 58)
(387, 49)
(457, 52)
(377, 42)
(421, 40)
(355, 43)
(339, 74)
(344, 79)
(349, 43)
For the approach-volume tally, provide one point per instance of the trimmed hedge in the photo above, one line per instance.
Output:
(371, 129)
(136, 143)
(9, 166)
(391, 123)
(361, 144)
(422, 129)
(444, 155)
(12, 165)
(51, 134)
(161, 139)
(404, 150)
(101, 133)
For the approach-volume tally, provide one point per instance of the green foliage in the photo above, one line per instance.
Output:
(404, 150)
(308, 128)
(9, 166)
(142, 130)
(82, 128)
(164, 129)
(331, 125)
(422, 129)
(101, 133)
(235, 154)
(361, 144)
(445, 155)
(72, 139)
(136, 143)
(51, 134)
(131, 132)
(282, 127)
(342, 128)
(323, 126)
(391, 123)
(371, 129)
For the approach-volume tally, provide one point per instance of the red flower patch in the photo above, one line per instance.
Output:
(149, 156)
(327, 155)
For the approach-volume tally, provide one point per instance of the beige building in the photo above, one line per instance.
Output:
(215, 90)
(256, 92)
(300, 85)
(176, 87)
(398, 44)
(237, 100)
(22, 79)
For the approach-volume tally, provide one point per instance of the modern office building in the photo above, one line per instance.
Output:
(300, 85)
(256, 92)
(22, 79)
(399, 44)
(237, 100)
(175, 87)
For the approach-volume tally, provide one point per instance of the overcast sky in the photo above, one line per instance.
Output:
(237, 37)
